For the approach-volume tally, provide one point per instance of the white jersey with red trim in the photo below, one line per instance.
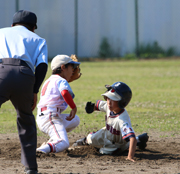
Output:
(50, 119)
(51, 93)
(118, 126)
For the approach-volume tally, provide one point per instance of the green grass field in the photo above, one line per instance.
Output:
(155, 104)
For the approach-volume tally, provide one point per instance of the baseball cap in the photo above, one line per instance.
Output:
(112, 94)
(25, 17)
(59, 60)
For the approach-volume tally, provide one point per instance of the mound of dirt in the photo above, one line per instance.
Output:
(162, 155)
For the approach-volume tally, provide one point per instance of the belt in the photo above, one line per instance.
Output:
(45, 108)
(13, 61)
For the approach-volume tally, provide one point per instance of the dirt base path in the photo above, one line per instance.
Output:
(161, 156)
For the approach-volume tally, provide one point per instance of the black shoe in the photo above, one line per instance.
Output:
(143, 138)
(80, 142)
(28, 171)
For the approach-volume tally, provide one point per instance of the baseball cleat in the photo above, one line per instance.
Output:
(143, 138)
(44, 148)
(31, 172)
(41, 150)
(27, 171)
(80, 142)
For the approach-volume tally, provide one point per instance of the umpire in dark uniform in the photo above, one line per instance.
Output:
(23, 66)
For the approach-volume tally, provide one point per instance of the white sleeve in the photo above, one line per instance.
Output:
(43, 55)
(101, 105)
(127, 130)
(64, 85)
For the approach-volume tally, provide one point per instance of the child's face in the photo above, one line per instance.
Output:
(113, 105)
(67, 72)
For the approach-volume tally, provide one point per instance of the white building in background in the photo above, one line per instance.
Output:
(78, 26)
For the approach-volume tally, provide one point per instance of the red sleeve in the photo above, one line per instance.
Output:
(68, 98)
(97, 105)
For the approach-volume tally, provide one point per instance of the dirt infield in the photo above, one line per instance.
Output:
(161, 156)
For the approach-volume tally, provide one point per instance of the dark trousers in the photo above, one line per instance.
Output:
(16, 84)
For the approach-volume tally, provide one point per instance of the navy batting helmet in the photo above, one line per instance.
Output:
(119, 91)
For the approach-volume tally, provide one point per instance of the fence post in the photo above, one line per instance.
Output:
(76, 27)
(17, 5)
(137, 28)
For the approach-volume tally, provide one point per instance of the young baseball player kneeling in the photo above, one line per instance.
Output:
(118, 134)
(55, 97)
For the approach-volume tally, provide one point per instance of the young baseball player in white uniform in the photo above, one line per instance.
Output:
(118, 133)
(55, 97)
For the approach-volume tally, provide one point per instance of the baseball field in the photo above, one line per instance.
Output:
(154, 108)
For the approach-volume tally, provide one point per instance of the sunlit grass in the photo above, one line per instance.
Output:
(155, 104)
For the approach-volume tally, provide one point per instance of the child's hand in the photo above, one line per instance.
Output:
(72, 114)
(130, 159)
(132, 149)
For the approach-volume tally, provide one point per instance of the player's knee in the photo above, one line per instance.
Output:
(76, 121)
(74, 124)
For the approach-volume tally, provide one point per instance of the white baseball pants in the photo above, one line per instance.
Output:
(56, 126)
(98, 139)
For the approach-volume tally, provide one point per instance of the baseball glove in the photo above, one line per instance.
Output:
(76, 74)
(89, 107)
